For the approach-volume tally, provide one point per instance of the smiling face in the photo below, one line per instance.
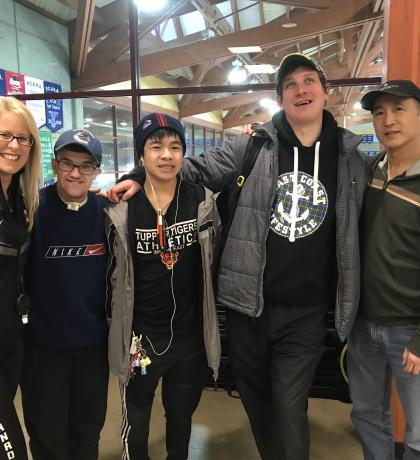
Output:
(72, 185)
(302, 96)
(163, 157)
(13, 156)
(397, 122)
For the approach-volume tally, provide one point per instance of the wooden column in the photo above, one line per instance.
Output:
(398, 420)
(402, 40)
(401, 61)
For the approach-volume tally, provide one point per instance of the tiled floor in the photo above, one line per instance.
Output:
(221, 431)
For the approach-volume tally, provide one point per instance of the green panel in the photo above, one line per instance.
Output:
(47, 150)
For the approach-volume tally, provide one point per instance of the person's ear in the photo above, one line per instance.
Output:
(327, 91)
(96, 173)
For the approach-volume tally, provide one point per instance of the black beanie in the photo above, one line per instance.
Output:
(153, 122)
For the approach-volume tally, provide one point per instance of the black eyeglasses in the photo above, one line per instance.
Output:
(67, 165)
(22, 140)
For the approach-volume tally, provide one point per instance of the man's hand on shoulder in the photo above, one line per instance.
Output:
(123, 190)
(411, 362)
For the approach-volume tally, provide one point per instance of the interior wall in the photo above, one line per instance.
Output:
(36, 46)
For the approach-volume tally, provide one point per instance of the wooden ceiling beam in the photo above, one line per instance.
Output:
(240, 111)
(223, 103)
(72, 4)
(213, 16)
(349, 47)
(325, 53)
(234, 8)
(310, 4)
(262, 16)
(310, 25)
(41, 11)
(199, 75)
(111, 16)
(81, 37)
(109, 48)
(247, 120)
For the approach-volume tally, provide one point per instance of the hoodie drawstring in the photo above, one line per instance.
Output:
(316, 168)
(295, 197)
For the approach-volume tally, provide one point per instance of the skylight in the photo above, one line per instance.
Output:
(192, 23)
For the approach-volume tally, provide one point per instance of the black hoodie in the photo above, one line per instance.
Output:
(301, 263)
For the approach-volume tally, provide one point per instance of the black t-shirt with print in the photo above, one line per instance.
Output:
(160, 275)
(303, 272)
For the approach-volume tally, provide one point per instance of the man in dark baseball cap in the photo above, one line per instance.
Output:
(385, 340)
(65, 380)
(80, 140)
(293, 61)
(400, 88)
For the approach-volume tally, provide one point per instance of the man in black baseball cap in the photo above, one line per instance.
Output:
(400, 88)
(385, 340)
(295, 60)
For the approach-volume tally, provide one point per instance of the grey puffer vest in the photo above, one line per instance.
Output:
(240, 281)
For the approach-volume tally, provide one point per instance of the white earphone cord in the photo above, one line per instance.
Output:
(172, 273)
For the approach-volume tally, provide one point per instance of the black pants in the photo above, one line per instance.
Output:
(273, 360)
(64, 396)
(12, 442)
(183, 377)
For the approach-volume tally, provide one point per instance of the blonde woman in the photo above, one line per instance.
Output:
(20, 172)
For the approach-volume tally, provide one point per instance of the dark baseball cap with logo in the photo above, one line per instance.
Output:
(151, 123)
(400, 88)
(293, 61)
(80, 140)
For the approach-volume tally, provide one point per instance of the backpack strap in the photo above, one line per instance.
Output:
(227, 200)
(252, 149)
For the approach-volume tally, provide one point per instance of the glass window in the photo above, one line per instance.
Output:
(209, 136)
(189, 139)
(198, 140)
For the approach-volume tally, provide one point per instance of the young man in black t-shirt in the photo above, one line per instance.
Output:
(162, 299)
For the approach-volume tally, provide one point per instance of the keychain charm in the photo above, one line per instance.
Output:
(139, 357)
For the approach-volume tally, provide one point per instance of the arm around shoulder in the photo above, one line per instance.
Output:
(217, 168)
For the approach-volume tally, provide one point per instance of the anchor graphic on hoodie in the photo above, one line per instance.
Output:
(288, 216)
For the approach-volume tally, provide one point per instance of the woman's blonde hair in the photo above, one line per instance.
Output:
(32, 175)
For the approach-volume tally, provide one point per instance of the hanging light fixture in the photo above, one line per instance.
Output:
(238, 74)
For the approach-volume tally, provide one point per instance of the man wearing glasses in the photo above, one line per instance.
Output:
(65, 377)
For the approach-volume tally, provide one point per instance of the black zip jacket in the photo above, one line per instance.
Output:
(390, 239)
(14, 242)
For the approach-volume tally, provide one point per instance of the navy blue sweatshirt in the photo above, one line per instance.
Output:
(65, 275)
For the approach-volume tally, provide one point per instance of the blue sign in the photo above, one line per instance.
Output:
(2, 83)
(53, 108)
(369, 139)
